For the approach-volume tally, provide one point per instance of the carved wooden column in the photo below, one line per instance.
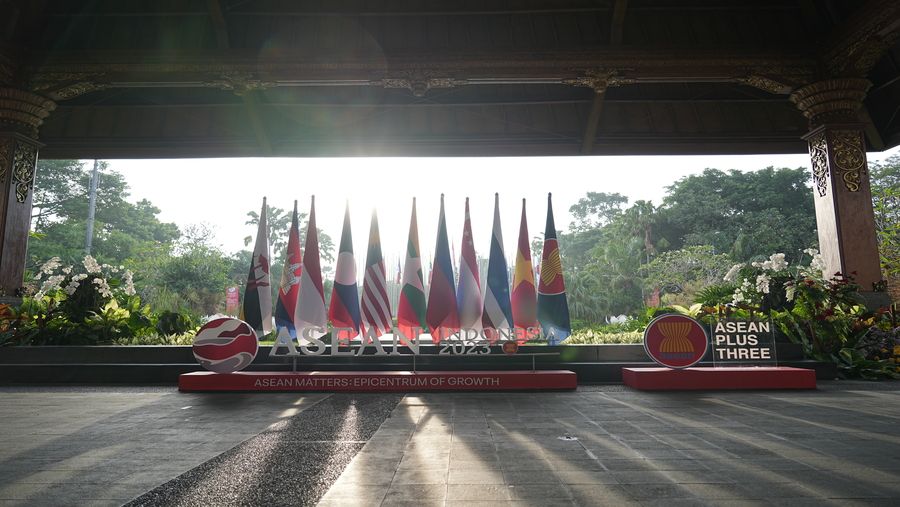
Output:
(21, 114)
(837, 147)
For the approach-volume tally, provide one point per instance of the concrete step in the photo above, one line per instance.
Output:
(163, 364)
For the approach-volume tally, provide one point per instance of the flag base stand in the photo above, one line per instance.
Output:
(379, 381)
(723, 378)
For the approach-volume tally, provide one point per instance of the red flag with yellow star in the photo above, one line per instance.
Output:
(523, 297)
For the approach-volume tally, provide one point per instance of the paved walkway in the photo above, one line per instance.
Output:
(107, 445)
(604, 445)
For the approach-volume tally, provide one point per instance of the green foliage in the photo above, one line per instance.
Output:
(596, 210)
(158, 339)
(715, 294)
(174, 323)
(743, 214)
(122, 230)
(825, 316)
(885, 184)
(685, 271)
(618, 257)
(90, 305)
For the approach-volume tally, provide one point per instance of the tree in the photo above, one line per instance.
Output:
(885, 184)
(122, 230)
(681, 273)
(190, 276)
(278, 222)
(744, 214)
(615, 255)
(596, 210)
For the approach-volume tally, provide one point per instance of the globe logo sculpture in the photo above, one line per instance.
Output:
(225, 345)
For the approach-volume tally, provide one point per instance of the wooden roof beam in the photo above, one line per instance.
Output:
(248, 95)
(593, 123)
(857, 45)
(617, 30)
(220, 26)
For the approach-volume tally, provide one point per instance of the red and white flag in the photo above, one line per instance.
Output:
(310, 311)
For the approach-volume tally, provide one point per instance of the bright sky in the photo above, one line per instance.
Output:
(220, 192)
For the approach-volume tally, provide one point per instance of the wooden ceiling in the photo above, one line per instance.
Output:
(217, 78)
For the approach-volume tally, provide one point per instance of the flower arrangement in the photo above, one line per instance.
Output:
(79, 304)
(825, 315)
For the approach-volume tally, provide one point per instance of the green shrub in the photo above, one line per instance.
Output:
(174, 323)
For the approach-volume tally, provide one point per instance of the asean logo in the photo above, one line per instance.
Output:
(225, 345)
(676, 341)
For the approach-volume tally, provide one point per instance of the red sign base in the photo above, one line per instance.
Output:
(763, 377)
(378, 381)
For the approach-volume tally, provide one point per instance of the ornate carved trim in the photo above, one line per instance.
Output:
(241, 83)
(863, 39)
(24, 111)
(6, 147)
(599, 80)
(140, 66)
(23, 169)
(766, 84)
(67, 85)
(818, 154)
(77, 89)
(7, 69)
(44, 82)
(419, 82)
(832, 100)
(849, 157)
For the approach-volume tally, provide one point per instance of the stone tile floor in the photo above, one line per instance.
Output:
(600, 445)
(613, 446)
(107, 445)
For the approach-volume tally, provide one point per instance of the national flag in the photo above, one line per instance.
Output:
(497, 310)
(376, 307)
(524, 303)
(442, 314)
(257, 309)
(411, 308)
(289, 288)
(344, 308)
(552, 307)
(468, 292)
(310, 312)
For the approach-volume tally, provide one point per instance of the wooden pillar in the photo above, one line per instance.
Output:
(21, 114)
(843, 199)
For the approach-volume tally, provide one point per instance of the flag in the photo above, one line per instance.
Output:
(310, 311)
(344, 308)
(399, 270)
(523, 295)
(290, 279)
(258, 292)
(376, 307)
(441, 314)
(411, 308)
(453, 260)
(468, 292)
(497, 311)
(552, 308)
